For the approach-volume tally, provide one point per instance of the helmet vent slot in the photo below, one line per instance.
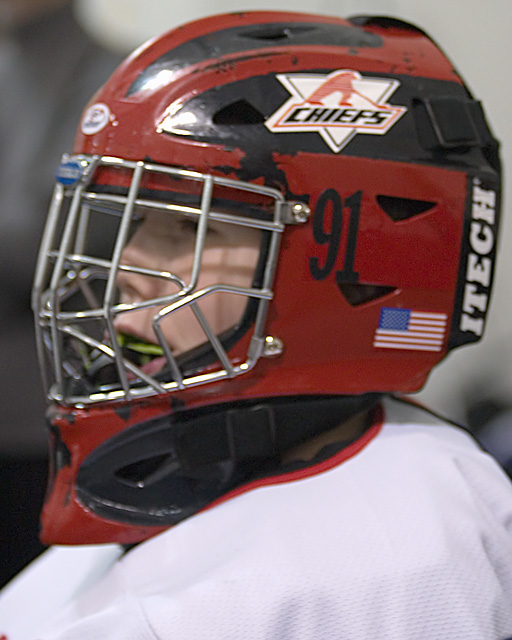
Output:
(357, 294)
(278, 32)
(399, 209)
(237, 113)
(146, 472)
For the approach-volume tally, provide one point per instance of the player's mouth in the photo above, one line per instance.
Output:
(149, 357)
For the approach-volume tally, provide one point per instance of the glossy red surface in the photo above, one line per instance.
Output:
(328, 343)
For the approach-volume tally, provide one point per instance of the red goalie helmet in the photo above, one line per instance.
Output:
(260, 208)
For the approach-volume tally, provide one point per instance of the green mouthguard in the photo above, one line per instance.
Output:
(139, 346)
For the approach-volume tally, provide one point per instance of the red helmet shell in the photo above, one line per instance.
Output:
(397, 212)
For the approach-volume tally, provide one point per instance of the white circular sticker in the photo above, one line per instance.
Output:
(95, 118)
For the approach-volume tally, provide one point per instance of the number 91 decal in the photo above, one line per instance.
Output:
(328, 231)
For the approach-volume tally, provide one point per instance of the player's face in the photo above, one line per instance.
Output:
(166, 243)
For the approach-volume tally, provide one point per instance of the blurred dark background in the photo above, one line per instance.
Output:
(49, 68)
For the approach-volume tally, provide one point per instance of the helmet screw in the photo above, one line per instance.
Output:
(272, 347)
(300, 212)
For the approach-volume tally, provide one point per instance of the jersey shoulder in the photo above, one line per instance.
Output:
(48, 584)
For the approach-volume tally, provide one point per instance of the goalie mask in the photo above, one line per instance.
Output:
(265, 215)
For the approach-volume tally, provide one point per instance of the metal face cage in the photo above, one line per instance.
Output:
(76, 299)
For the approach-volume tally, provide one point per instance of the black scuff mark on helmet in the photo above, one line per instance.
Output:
(59, 456)
(61, 453)
(124, 412)
(177, 404)
(262, 165)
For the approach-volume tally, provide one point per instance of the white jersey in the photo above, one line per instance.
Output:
(404, 535)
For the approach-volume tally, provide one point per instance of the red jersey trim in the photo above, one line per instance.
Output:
(299, 474)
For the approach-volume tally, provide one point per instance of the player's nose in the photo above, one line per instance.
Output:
(137, 323)
(135, 287)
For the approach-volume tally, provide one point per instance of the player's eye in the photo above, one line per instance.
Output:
(187, 225)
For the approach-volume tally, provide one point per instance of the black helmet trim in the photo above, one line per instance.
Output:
(164, 470)
(270, 35)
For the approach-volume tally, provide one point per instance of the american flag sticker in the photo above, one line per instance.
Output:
(408, 329)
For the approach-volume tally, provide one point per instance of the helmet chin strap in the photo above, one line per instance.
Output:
(164, 470)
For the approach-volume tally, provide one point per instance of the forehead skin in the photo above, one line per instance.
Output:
(172, 234)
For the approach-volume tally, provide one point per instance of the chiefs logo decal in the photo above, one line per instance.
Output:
(338, 106)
